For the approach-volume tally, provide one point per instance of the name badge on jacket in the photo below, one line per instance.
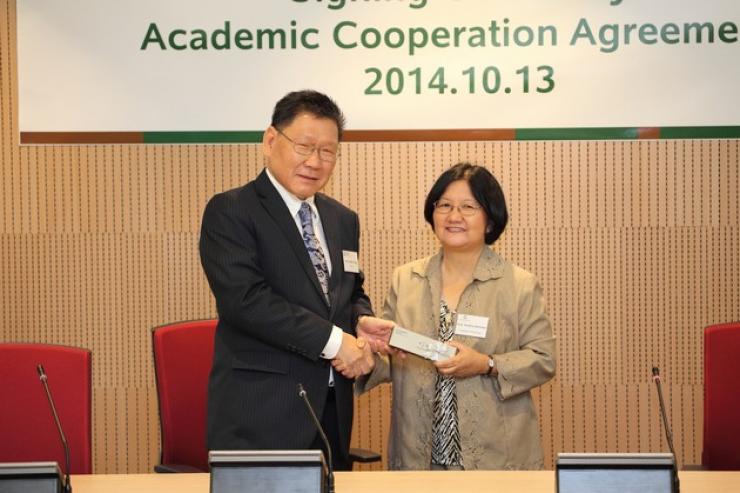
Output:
(471, 325)
(351, 264)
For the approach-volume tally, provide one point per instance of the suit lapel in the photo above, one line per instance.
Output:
(279, 212)
(332, 233)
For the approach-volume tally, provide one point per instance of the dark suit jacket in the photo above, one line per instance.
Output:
(273, 318)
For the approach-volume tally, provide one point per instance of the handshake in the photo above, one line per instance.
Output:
(355, 357)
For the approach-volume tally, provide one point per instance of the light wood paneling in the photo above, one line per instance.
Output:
(396, 481)
(637, 245)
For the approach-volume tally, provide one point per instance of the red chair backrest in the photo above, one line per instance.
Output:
(722, 397)
(28, 432)
(183, 355)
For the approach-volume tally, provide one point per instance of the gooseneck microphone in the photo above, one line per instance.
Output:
(42, 376)
(668, 433)
(330, 466)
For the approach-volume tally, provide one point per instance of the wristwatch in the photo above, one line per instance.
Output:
(491, 364)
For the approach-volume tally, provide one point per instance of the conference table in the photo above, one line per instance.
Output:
(394, 482)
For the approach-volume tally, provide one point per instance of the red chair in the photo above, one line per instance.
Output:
(27, 429)
(183, 354)
(721, 397)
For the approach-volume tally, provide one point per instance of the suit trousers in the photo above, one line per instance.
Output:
(330, 424)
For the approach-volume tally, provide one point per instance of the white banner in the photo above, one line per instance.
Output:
(187, 65)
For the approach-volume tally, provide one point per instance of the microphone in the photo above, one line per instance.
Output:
(668, 433)
(42, 376)
(330, 466)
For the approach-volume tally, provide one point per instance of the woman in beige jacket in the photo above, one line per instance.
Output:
(474, 410)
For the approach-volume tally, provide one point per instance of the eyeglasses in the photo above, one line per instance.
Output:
(466, 208)
(326, 154)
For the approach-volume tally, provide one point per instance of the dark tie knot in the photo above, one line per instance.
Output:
(304, 213)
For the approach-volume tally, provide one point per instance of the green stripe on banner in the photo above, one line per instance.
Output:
(585, 133)
(231, 137)
(581, 133)
(626, 133)
(700, 132)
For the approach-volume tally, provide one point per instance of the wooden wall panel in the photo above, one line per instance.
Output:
(637, 245)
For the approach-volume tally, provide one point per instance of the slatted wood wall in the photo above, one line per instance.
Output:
(637, 244)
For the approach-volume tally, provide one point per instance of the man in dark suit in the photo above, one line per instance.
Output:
(281, 260)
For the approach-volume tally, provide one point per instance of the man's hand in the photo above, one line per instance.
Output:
(466, 363)
(377, 332)
(354, 358)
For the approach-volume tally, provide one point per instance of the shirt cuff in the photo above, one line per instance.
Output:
(333, 344)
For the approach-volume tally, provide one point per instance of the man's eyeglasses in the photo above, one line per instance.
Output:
(466, 208)
(326, 154)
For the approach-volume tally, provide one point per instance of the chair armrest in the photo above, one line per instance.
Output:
(176, 468)
(363, 455)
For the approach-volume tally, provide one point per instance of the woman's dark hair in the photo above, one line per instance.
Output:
(308, 101)
(485, 189)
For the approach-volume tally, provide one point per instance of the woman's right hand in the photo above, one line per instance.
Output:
(377, 332)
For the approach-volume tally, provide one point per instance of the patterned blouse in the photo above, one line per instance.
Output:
(445, 431)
